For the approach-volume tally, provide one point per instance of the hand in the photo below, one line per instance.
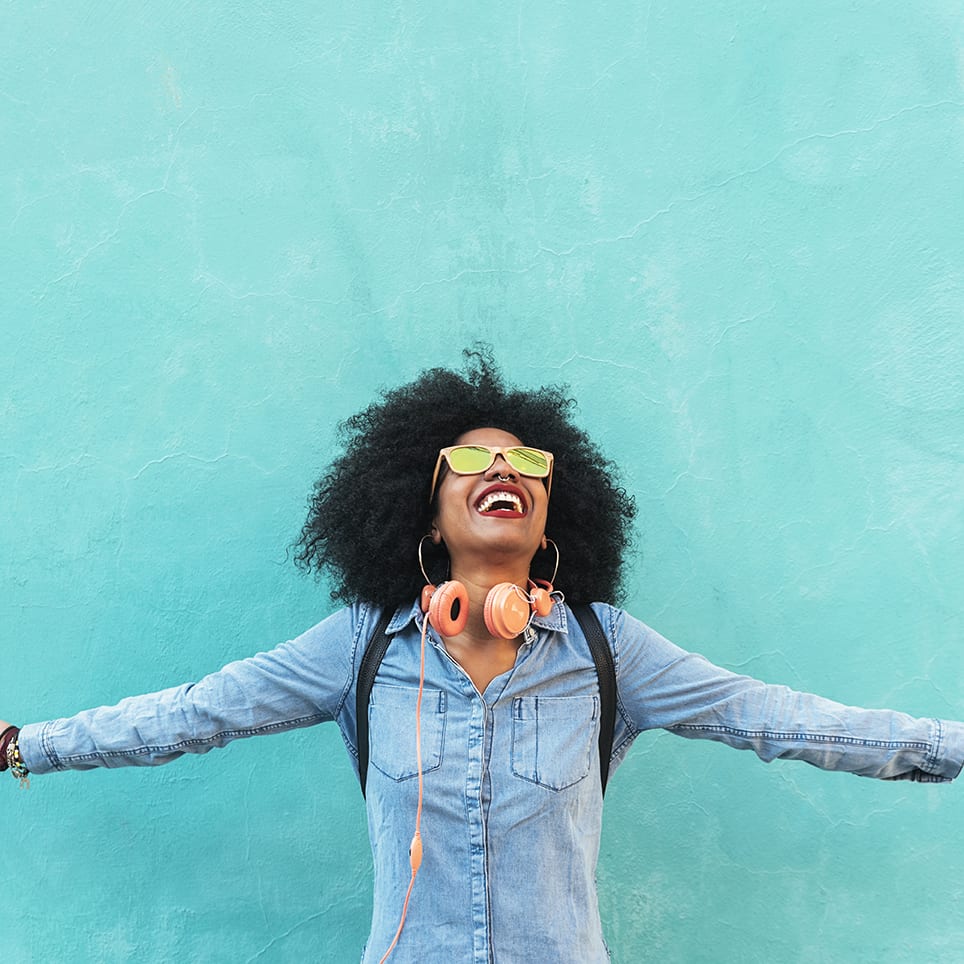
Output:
(4, 726)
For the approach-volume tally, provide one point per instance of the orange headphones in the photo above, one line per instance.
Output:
(508, 607)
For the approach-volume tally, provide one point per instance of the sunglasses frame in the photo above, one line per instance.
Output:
(495, 451)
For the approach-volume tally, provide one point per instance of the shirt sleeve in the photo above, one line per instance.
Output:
(300, 683)
(661, 685)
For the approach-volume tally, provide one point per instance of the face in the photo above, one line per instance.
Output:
(483, 515)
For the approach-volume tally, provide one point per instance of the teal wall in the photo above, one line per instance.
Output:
(733, 228)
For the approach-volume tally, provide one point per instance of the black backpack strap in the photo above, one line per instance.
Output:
(602, 656)
(367, 671)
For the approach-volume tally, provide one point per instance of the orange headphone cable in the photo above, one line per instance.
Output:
(415, 850)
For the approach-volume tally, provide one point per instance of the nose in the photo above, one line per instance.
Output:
(500, 468)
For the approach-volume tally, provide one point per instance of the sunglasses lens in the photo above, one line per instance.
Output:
(532, 462)
(469, 459)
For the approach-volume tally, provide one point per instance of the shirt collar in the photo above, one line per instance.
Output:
(555, 622)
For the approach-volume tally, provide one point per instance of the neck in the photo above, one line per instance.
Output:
(478, 581)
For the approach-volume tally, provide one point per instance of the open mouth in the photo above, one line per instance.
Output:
(502, 503)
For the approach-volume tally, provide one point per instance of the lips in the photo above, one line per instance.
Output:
(502, 501)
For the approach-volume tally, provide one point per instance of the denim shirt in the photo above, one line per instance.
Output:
(512, 811)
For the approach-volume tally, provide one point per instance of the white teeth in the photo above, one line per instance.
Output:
(490, 500)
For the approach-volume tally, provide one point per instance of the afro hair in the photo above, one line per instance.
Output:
(368, 513)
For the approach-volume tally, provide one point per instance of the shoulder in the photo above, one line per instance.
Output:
(609, 617)
(350, 629)
(631, 639)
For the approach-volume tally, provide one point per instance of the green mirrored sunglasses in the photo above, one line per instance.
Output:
(475, 459)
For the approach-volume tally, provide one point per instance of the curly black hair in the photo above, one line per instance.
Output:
(367, 514)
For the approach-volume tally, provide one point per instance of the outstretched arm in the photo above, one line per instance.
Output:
(299, 683)
(661, 685)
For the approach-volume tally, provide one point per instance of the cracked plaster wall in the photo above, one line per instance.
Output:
(735, 230)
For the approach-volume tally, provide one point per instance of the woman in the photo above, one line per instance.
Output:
(484, 772)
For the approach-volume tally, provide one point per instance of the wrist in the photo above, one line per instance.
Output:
(11, 757)
(8, 736)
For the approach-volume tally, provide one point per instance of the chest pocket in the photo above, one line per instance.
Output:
(391, 722)
(553, 739)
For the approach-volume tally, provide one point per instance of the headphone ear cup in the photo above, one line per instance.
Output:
(448, 610)
(541, 595)
(507, 610)
(541, 601)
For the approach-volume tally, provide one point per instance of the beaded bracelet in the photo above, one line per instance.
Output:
(18, 769)
(6, 737)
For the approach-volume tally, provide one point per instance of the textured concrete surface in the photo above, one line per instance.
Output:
(733, 228)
